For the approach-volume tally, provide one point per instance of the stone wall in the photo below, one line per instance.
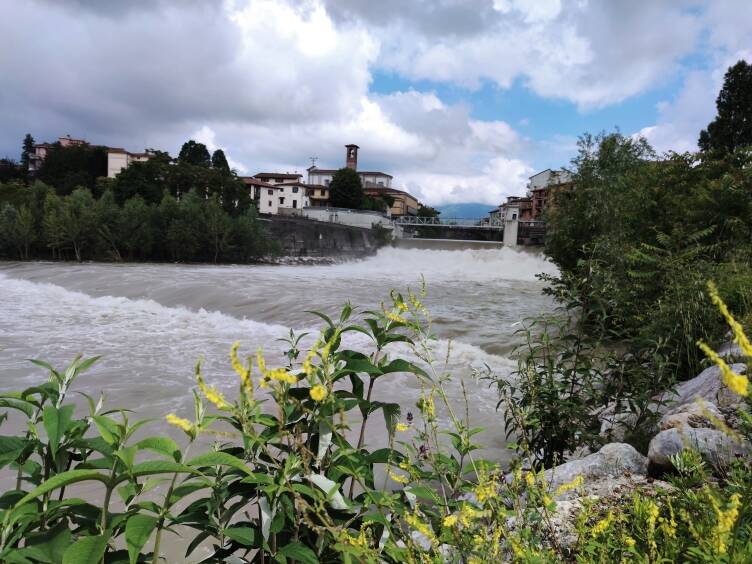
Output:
(300, 236)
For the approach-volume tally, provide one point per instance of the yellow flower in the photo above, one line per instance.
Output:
(427, 407)
(237, 366)
(318, 393)
(417, 524)
(398, 478)
(738, 383)
(630, 542)
(736, 328)
(308, 367)
(450, 521)
(260, 361)
(181, 423)
(569, 486)
(467, 514)
(602, 525)
(212, 394)
(725, 522)
(395, 317)
(530, 479)
(402, 427)
(282, 375)
(485, 490)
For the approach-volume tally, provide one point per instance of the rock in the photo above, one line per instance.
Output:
(730, 351)
(718, 448)
(699, 414)
(613, 460)
(707, 385)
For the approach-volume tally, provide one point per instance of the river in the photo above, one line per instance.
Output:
(151, 322)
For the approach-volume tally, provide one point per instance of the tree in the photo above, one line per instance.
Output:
(732, 127)
(428, 211)
(219, 161)
(346, 190)
(27, 150)
(71, 222)
(195, 153)
(67, 168)
(17, 230)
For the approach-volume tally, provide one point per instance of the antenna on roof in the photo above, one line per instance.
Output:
(313, 160)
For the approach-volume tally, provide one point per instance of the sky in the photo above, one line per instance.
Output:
(460, 100)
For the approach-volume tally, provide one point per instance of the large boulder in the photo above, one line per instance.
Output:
(698, 414)
(720, 449)
(611, 461)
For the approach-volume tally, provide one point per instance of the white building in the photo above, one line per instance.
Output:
(278, 177)
(265, 196)
(369, 179)
(293, 195)
(119, 159)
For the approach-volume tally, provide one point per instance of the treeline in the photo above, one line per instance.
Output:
(192, 208)
(640, 235)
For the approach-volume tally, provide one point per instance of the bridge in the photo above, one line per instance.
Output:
(451, 222)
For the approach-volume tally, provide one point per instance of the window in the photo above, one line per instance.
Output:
(270, 203)
(270, 192)
(514, 216)
(381, 183)
(294, 189)
(295, 203)
(281, 201)
(326, 182)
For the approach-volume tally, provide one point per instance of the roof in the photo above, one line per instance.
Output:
(316, 170)
(251, 181)
(277, 175)
(303, 184)
(385, 190)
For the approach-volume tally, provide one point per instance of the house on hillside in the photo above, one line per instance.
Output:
(117, 157)
(278, 177)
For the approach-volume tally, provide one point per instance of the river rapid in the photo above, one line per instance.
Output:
(151, 322)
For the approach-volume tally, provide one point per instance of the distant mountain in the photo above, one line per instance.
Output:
(469, 210)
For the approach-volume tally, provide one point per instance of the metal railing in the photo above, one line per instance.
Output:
(458, 222)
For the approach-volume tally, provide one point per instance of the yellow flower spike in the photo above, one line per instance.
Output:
(401, 427)
(308, 367)
(237, 366)
(450, 521)
(212, 394)
(725, 522)
(569, 486)
(282, 375)
(261, 362)
(736, 328)
(395, 317)
(318, 393)
(530, 479)
(398, 478)
(181, 423)
(738, 383)
(417, 524)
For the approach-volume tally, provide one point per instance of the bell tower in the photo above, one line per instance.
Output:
(351, 160)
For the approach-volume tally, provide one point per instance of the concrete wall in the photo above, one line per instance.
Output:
(304, 237)
(343, 216)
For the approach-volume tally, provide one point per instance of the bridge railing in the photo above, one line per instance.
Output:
(448, 222)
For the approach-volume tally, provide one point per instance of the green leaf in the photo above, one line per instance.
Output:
(138, 529)
(10, 449)
(19, 404)
(219, 459)
(299, 552)
(158, 467)
(86, 550)
(127, 455)
(331, 489)
(61, 480)
(107, 428)
(48, 547)
(247, 535)
(160, 445)
(56, 423)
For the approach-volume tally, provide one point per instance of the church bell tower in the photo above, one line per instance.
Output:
(352, 156)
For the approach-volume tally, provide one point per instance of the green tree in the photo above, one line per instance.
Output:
(67, 168)
(217, 228)
(346, 189)
(732, 127)
(17, 230)
(27, 150)
(194, 153)
(428, 211)
(71, 222)
(108, 221)
(219, 161)
(146, 179)
(136, 228)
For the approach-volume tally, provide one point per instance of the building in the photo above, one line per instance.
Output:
(542, 187)
(375, 184)
(278, 177)
(265, 196)
(117, 158)
(293, 195)
(322, 176)
(403, 203)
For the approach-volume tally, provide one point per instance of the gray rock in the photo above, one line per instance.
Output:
(707, 386)
(614, 459)
(715, 446)
(730, 351)
(698, 414)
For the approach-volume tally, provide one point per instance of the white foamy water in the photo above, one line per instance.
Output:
(150, 323)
